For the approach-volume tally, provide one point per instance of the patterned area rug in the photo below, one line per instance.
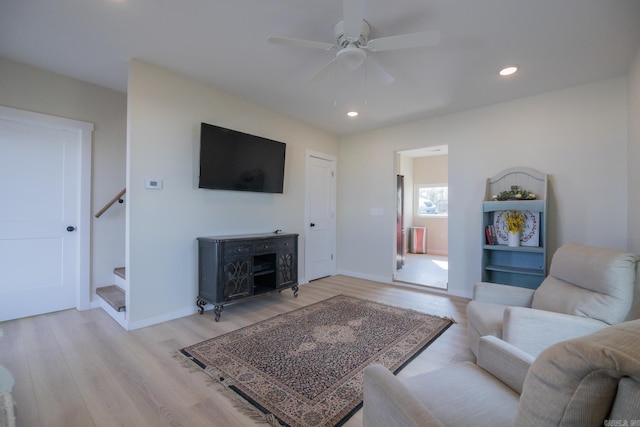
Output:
(305, 368)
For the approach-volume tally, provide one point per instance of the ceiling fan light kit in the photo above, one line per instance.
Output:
(352, 40)
(351, 57)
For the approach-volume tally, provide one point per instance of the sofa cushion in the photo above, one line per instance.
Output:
(575, 382)
(589, 282)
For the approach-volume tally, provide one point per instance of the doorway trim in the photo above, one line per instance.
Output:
(84, 132)
(427, 151)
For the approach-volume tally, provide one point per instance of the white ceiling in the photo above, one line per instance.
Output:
(557, 44)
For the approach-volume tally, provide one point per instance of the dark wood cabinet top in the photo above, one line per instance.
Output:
(237, 237)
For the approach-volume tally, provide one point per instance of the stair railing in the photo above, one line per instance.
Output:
(117, 198)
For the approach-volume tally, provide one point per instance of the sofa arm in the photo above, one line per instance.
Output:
(533, 330)
(388, 403)
(502, 294)
(504, 361)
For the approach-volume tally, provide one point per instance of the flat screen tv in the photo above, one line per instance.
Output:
(232, 160)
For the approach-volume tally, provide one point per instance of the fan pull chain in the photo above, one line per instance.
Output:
(335, 84)
(366, 80)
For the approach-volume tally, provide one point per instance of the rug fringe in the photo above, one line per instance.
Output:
(185, 361)
(242, 405)
(214, 377)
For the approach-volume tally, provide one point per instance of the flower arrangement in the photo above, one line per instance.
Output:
(513, 221)
(516, 193)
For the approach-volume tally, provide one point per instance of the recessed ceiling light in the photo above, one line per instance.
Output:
(507, 71)
(352, 113)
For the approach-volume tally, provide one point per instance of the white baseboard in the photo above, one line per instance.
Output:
(390, 281)
(366, 276)
(162, 318)
(118, 316)
(437, 252)
(130, 326)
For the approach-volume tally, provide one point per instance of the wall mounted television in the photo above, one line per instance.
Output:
(236, 161)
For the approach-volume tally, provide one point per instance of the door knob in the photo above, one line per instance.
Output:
(71, 228)
(312, 225)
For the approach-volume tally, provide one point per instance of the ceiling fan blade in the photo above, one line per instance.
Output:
(323, 71)
(352, 15)
(377, 72)
(404, 41)
(301, 43)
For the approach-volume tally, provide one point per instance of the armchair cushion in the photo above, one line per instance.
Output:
(627, 404)
(401, 408)
(484, 318)
(504, 361)
(575, 382)
(441, 395)
(534, 330)
(589, 282)
(502, 294)
(461, 394)
(487, 317)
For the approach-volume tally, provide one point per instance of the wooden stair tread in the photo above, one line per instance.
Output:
(119, 271)
(114, 295)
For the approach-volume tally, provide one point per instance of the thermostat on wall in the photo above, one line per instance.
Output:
(153, 184)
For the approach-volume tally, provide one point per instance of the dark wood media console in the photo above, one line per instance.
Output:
(233, 268)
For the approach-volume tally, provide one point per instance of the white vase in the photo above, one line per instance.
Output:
(514, 239)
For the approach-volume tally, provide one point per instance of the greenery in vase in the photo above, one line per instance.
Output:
(513, 221)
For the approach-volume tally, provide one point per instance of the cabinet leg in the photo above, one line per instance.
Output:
(201, 303)
(295, 290)
(217, 311)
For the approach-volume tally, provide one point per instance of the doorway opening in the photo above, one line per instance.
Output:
(422, 224)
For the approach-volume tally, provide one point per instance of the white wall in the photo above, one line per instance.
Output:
(578, 136)
(32, 89)
(165, 111)
(634, 154)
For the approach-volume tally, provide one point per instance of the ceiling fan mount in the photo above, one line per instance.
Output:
(343, 40)
(352, 41)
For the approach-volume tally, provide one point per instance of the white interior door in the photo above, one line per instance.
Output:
(321, 217)
(40, 218)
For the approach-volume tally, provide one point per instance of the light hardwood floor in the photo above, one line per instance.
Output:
(81, 369)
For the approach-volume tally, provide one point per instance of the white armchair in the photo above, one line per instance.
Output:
(587, 289)
(583, 381)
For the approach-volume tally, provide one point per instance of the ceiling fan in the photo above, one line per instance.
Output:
(352, 42)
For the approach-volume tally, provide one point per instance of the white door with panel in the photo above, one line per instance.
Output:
(40, 209)
(320, 239)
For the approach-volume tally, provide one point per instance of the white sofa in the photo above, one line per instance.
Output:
(588, 288)
(579, 382)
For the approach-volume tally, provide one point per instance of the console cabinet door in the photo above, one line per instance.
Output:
(236, 272)
(287, 263)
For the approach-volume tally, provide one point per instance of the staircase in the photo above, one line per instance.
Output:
(113, 297)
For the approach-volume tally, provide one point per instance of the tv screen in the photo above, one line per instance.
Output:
(232, 160)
